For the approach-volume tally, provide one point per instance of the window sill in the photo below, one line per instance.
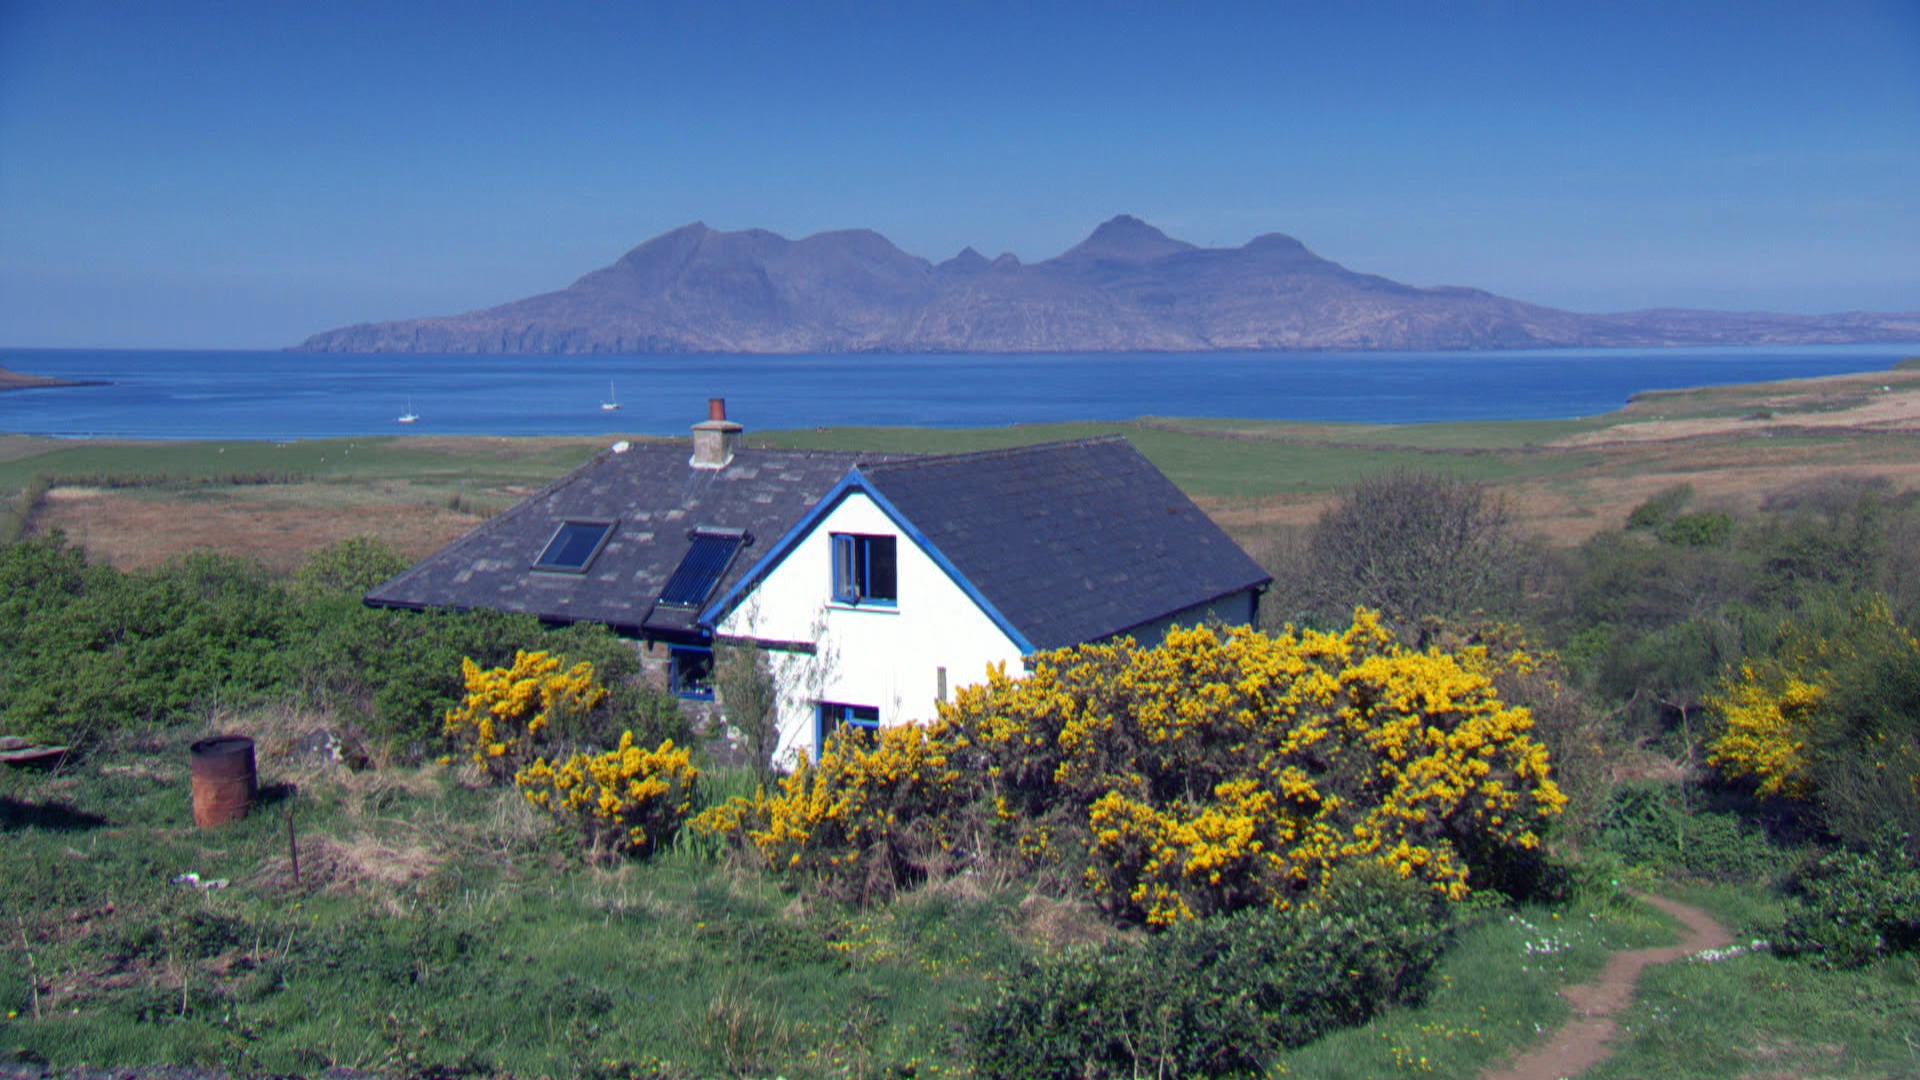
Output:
(876, 606)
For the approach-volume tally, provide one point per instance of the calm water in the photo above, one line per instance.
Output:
(279, 396)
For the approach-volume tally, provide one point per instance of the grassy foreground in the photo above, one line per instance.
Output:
(439, 928)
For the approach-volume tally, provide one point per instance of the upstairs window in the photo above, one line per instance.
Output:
(831, 716)
(573, 546)
(864, 570)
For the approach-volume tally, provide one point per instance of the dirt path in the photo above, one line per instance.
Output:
(1581, 1043)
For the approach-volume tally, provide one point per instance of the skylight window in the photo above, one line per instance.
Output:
(701, 568)
(573, 546)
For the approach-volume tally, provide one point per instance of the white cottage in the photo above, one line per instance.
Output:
(913, 576)
(878, 583)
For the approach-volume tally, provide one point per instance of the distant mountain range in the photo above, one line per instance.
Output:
(1127, 287)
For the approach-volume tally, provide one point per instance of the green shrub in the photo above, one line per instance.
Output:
(1649, 824)
(396, 673)
(350, 567)
(1856, 906)
(1708, 528)
(92, 650)
(1215, 997)
(1664, 504)
(632, 703)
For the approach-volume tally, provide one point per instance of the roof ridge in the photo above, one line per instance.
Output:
(1001, 452)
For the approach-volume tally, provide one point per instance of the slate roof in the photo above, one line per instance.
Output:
(656, 500)
(1072, 541)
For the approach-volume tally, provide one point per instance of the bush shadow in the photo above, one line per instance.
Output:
(54, 817)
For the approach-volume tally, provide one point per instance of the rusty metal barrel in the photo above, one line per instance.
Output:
(224, 783)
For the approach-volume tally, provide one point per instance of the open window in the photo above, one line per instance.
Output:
(693, 672)
(573, 546)
(831, 716)
(865, 569)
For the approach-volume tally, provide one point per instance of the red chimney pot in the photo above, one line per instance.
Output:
(716, 408)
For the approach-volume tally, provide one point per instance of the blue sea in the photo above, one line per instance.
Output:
(286, 395)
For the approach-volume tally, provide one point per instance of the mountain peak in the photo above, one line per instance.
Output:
(1126, 238)
(968, 261)
(1128, 286)
(1274, 243)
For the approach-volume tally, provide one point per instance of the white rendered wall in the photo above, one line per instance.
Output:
(886, 657)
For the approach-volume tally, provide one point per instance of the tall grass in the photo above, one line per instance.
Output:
(20, 508)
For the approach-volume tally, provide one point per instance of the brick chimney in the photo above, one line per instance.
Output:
(716, 438)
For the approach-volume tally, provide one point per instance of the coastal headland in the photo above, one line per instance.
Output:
(14, 380)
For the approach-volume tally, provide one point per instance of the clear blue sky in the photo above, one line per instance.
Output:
(243, 174)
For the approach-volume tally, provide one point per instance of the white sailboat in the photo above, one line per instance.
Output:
(409, 416)
(613, 401)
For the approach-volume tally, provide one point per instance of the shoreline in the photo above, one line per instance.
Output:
(343, 399)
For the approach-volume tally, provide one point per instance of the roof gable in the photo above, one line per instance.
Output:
(1058, 543)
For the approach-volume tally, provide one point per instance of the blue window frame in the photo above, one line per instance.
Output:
(865, 569)
(573, 546)
(693, 672)
(831, 716)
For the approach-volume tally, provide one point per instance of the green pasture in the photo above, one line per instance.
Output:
(1242, 459)
(442, 928)
(1205, 458)
(480, 461)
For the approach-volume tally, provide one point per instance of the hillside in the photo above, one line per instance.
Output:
(1127, 287)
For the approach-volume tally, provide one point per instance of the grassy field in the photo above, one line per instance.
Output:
(439, 927)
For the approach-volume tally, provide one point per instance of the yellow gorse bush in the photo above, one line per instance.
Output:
(1221, 769)
(1770, 713)
(871, 810)
(506, 709)
(628, 800)
(1227, 768)
(1785, 718)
